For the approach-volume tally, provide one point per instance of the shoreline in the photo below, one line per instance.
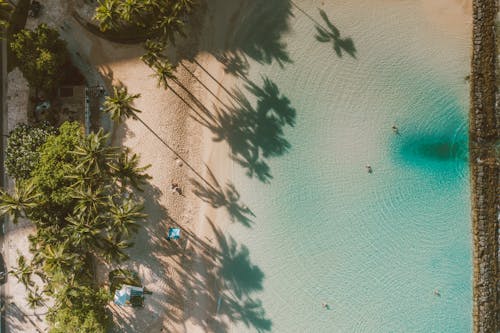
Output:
(173, 306)
(485, 180)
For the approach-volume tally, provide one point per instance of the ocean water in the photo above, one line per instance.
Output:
(374, 246)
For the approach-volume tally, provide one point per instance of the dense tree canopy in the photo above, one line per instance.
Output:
(23, 149)
(40, 54)
(5, 10)
(161, 18)
(80, 198)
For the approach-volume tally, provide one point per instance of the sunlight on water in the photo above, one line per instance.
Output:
(374, 246)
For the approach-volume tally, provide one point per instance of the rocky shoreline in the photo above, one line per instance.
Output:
(484, 170)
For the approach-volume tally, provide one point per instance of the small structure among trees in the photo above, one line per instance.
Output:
(81, 194)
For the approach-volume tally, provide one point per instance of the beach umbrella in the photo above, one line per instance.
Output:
(174, 233)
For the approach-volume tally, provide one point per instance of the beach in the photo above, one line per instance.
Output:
(243, 262)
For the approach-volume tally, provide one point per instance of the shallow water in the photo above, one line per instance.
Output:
(374, 246)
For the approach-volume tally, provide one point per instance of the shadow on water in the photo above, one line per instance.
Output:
(329, 33)
(256, 133)
(332, 35)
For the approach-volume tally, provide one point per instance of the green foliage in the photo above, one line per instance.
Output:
(23, 149)
(163, 18)
(80, 198)
(5, 11)
(40, 54)
(17, 22)
(120, 105)
(86, 314)
(50, 174)
(119, 277)
(24, 199)
(156, 59)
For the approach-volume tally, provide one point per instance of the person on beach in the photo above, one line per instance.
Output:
(175, 188)
(395, 129)
(369, 168)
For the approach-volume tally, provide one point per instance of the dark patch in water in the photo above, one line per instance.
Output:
(439, 149)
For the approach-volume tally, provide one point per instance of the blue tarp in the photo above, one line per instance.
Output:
(174, 233)
(126, 293)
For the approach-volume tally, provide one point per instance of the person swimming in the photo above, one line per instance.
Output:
(369, 168)
(436, 292)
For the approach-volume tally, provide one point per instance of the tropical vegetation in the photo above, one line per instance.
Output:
(40, 55)
(23, 149)
(120, 105)
(5, 11)
(156, 59)
(162, 19)
(80, 196)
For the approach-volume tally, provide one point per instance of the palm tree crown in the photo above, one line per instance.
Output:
(119, 106)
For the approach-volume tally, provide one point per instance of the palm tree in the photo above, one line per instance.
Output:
(125, 217)
(5, 11)
(18, 204)
(126, 169)
(89, 202)
(112, 248)
(164, 71)
(184, 5)
(84, 233)
(58, 259)
(107, 14)
(34, 298)
(130, 10)
(154, 52)
(23, 271)
(94, 153)
(119, 106)
(168, 25)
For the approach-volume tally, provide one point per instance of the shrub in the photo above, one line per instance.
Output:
(40, 55)
(23, 149)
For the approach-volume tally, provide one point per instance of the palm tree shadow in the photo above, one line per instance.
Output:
(332, 34)
(241, 280)
(255, 133)
(227, 197)
(234, 63)
(219, 291)
(257, 30)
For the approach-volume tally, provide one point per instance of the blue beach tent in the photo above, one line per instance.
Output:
(129, 296)
(174, 233)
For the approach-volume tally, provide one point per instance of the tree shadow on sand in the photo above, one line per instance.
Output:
(256, 134)
(332, 35)
(227, 197)
(234, 63)
(149, 258)
(222, 290)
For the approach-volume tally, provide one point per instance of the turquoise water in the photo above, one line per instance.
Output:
(373, 246)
